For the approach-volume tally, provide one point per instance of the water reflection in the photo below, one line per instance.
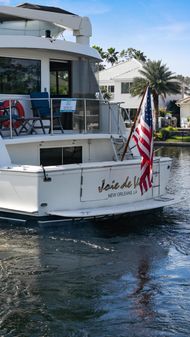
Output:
(180, 167)
(143, 294)
(74, 276)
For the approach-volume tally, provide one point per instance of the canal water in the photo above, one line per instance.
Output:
(119, 278)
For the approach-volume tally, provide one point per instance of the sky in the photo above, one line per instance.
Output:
(158, 28)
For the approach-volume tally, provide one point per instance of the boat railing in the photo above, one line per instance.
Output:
(18, 116)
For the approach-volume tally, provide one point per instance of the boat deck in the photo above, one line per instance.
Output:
(57, 136)
(138, 206)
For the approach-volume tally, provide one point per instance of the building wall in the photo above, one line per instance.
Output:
(129, 102)
(185, 111)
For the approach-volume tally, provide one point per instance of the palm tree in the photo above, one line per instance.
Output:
(111, 55)
(160, 80)
(185, 84)
(101, 65)
(100, 51)
(132, 53)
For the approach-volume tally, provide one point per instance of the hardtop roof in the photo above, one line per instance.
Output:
(7, 17)
(44, 8)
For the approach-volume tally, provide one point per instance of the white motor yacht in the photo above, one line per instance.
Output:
(63, 148)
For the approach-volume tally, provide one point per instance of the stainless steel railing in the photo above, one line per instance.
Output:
(77, 115)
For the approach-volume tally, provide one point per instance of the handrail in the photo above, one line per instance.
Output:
(51, 112)
(90, 116)
(11, 125)
(112, 116)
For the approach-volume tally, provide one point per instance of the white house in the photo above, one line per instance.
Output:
(118, 79)
(184, 105)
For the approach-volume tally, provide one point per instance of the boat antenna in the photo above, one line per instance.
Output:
(134, 125)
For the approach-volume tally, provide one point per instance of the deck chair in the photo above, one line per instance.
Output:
(41, 108)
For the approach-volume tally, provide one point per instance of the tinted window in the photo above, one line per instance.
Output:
(19, 76)
(59, 155)
(72, 155)
(51, 157)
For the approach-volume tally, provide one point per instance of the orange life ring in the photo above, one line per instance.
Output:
(16, 109)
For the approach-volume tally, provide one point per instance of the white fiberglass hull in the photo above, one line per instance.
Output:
(82, 190)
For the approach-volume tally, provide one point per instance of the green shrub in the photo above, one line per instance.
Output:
(167, 132)
(164, 133)
(157, 135)
(171, 128)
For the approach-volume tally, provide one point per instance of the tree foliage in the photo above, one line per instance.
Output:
(111, 56)
(133, 53)
(102, 55)
(100, 51)
(185, 84)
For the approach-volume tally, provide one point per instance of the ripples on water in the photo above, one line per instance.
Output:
(118, 278)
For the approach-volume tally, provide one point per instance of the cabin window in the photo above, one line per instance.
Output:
(60, 79)
(19, 76)
(61, 155)
(72, 155)
(51, 157)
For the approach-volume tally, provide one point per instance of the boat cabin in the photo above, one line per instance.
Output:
(49, 87)
(36, 56)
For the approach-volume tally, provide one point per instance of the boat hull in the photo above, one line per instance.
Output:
(81, 190)
(104, 213)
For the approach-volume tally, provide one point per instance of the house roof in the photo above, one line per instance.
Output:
(183, 101)
(124, 70)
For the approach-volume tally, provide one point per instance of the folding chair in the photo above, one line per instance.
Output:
(41, 108)
(6, 119)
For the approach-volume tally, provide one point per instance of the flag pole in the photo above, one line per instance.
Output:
(134, 125)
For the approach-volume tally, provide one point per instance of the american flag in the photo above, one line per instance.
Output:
(143, 137)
